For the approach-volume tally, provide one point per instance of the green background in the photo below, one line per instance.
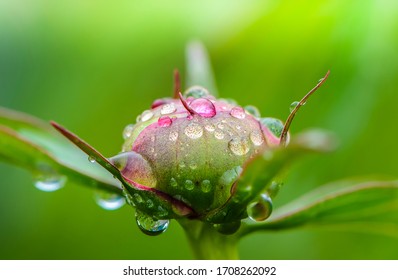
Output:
(93, 66)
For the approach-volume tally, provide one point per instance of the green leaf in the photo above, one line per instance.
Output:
(367, 206)
(33, 144)
(199, 71)
(259, 172)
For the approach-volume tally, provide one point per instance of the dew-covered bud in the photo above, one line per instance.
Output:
(193, 148)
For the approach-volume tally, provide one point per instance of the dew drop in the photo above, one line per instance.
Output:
(293, 106)
(194, 131)
(173, 136)
(168, 109)
(219, 134)
(193, 166)
(189, 185)
(196, 92)
(146, 115)
(238, 112)
(137, 198)
(209, 127)
(49, 182)
(91, 159)
(164, 121)
(173, 183)
(239, 146)
(204, 107)
(274, 125)
(257, 137)
(128, 131)
(260, 210)
(205, 186)
(252, 110)
(109, 201)
(220, 126)
(149, 225)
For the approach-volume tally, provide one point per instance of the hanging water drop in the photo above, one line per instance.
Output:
(109, 201)
(293, 106)
(193, 131)
(203, 107)
(149, 225)
(91, 159)
(168, 109)
(238, 112)
(260, 210)
(49, 182)
(164, 121)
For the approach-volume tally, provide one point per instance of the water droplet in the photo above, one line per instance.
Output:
(189, 185)
(194, 131)
(182, 164)
(293, 106)
(220, 126)
(209, 127)
(252, 110)
(149, 203)
(91, 159)
(128, 131)
(193, 165)
(256, 137)
(204, 107)
(109, 201)
(149, 225)
(260, 210)
(238, 112)
(196, 92)
(173, 183)
(137, 198)
(173, 136)
(205, 186)
(49, 182)
(168, 109)
(164, 121)
(219, 134)
(274, 125)
(146, 115)
(239, 146)
(238, 127)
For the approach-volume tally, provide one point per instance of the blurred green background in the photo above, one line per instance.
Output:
(93, 66)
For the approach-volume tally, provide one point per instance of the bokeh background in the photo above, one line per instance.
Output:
(95, 65)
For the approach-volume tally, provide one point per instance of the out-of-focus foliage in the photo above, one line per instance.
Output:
(81, 62)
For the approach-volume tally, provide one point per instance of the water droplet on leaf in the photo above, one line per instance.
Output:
(109, 201)
(91, 159)
(189, 185)
(293, 106)
(149, 225)
(219, 134)
(274, 125)
(238, 112)
(260, 210)
(205, 186)
(173, 182)
(173, 136)
(209, 127)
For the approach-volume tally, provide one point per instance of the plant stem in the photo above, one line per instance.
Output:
(207, 243)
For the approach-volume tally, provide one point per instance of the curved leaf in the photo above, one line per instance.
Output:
(34, 145)
(367, 206)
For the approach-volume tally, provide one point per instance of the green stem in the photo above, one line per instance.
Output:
(207, 243)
